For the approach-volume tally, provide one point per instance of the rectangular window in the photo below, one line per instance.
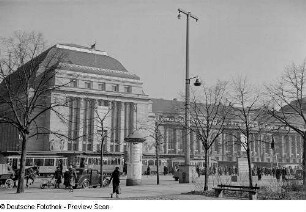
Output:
(127, 89)
(49, 162)
(102, 102)
(29, 162)
(88, 85)
(73, 83)
(101, 86)
(115, 88)
(38, 162)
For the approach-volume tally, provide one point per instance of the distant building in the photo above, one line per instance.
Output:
(225, 152)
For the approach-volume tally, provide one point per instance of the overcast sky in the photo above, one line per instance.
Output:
(254, 38)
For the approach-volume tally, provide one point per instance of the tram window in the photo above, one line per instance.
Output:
(89, 161)
(60, 161)
(158, 163)
(118, 161)
(38, 162)
(105, 161)
(113, 161)
(151, 162)
(144, 162)
(29, 162)
(15, 164)
(49, 162)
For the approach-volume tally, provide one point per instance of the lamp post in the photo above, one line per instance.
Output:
(186, 175)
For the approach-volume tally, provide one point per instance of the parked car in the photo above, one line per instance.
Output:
(87, 178)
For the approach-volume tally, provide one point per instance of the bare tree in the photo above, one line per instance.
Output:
(288, 103)
(209, 113)
(152, 129)
(102, 114)
(247, 110)
(28, 78)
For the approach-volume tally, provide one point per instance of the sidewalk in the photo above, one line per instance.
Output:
(167, 189)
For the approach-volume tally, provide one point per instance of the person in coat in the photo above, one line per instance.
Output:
(259, 173)
(72, 178)
(66, 178)
(148, 170)
(284, 173)
(116, 181)
(278, 174)
(58, 177)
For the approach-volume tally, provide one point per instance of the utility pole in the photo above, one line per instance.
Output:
(187, 172)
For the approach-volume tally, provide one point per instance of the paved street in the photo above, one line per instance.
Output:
(168, 189)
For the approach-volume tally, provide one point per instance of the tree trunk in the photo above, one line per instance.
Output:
(206, 170)
(20, 187)
(157, 167)
(249, 166)
(157, 153)
(101, 166)
(304, 163)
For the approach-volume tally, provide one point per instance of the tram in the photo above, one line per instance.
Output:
(46, 164)
(110, 162)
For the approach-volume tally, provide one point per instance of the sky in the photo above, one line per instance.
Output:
(256, 39)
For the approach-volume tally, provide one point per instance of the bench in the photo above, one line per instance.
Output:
(251, 190)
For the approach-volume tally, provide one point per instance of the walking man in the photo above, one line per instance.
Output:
(116, 181)
(58, 177)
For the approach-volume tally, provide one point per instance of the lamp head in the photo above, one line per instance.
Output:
(179, 16)
(197, 83)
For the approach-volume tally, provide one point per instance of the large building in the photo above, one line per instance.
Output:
(226, 150)
(102, 98)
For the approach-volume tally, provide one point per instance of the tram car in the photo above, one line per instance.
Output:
(46, 165)
(93, 161)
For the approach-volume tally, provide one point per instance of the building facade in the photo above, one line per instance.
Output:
(287, 151)
(98, 96)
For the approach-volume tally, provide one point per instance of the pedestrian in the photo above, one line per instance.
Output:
(58, 177)
(259, 173)
(198, 170)
(116, 181)
(284, 173)
(278, 174)
(72, 178)
(273, 172)
(165, 170)
(125, 168)
(66, 178)
(148, 170)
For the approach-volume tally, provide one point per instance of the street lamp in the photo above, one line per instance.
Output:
(186, 175)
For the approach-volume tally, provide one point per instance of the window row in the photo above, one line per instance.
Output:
(101, 86)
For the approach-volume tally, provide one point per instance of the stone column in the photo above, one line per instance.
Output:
(290, 147)
(301, 148)
(121, 123)
(263, 147)
(175, 140)
(165, 139)
(95, 143)
(82, 109)
(295, 147)
(222, 147)
(282, 148)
